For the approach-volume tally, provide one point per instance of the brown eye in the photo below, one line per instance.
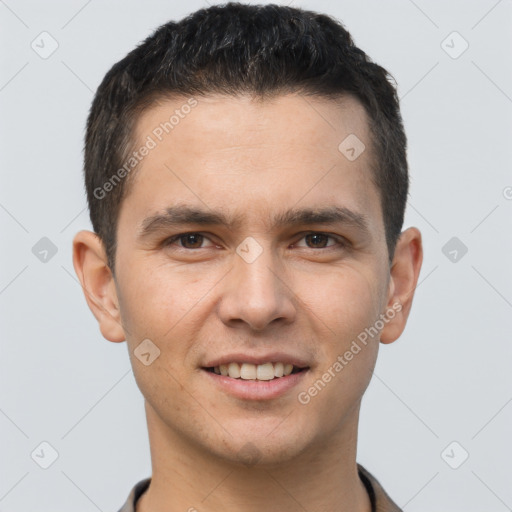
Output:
(187, 241)
(318, 240)
(191, 241)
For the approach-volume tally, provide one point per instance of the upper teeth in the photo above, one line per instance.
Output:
(248, 371)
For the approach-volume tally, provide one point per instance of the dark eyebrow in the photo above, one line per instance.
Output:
(178, 215)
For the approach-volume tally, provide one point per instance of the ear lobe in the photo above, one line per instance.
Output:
(405, 269)
(91, 267)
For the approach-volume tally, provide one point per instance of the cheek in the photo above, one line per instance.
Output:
(345, 304)
(344, 301)
(345, 308)
(169, 306)
(155, 300)
(153, 310)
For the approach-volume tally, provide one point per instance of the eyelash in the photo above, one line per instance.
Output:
(341, 242)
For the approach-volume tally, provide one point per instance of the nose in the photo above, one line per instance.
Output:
(256, 294)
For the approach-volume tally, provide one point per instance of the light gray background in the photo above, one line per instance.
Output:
(447, 379)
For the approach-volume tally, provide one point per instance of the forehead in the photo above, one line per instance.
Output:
(221, 121)
(237, 152)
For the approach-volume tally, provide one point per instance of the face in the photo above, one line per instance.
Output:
(249, 242)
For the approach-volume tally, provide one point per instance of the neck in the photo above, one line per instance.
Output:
(184, 478)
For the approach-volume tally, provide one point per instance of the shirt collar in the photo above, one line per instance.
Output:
(379, 499)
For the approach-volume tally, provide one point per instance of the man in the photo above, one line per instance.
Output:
(247, 178)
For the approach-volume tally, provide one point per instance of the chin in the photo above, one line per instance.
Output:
(251, 448)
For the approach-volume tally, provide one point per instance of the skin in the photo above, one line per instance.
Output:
(198, 300)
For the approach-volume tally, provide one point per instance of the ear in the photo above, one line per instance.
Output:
(405, 269)
(91, 267)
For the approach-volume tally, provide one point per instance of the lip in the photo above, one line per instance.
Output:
(255, 389)
(269, 357)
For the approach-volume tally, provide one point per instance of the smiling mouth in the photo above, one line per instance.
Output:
(255, 372)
